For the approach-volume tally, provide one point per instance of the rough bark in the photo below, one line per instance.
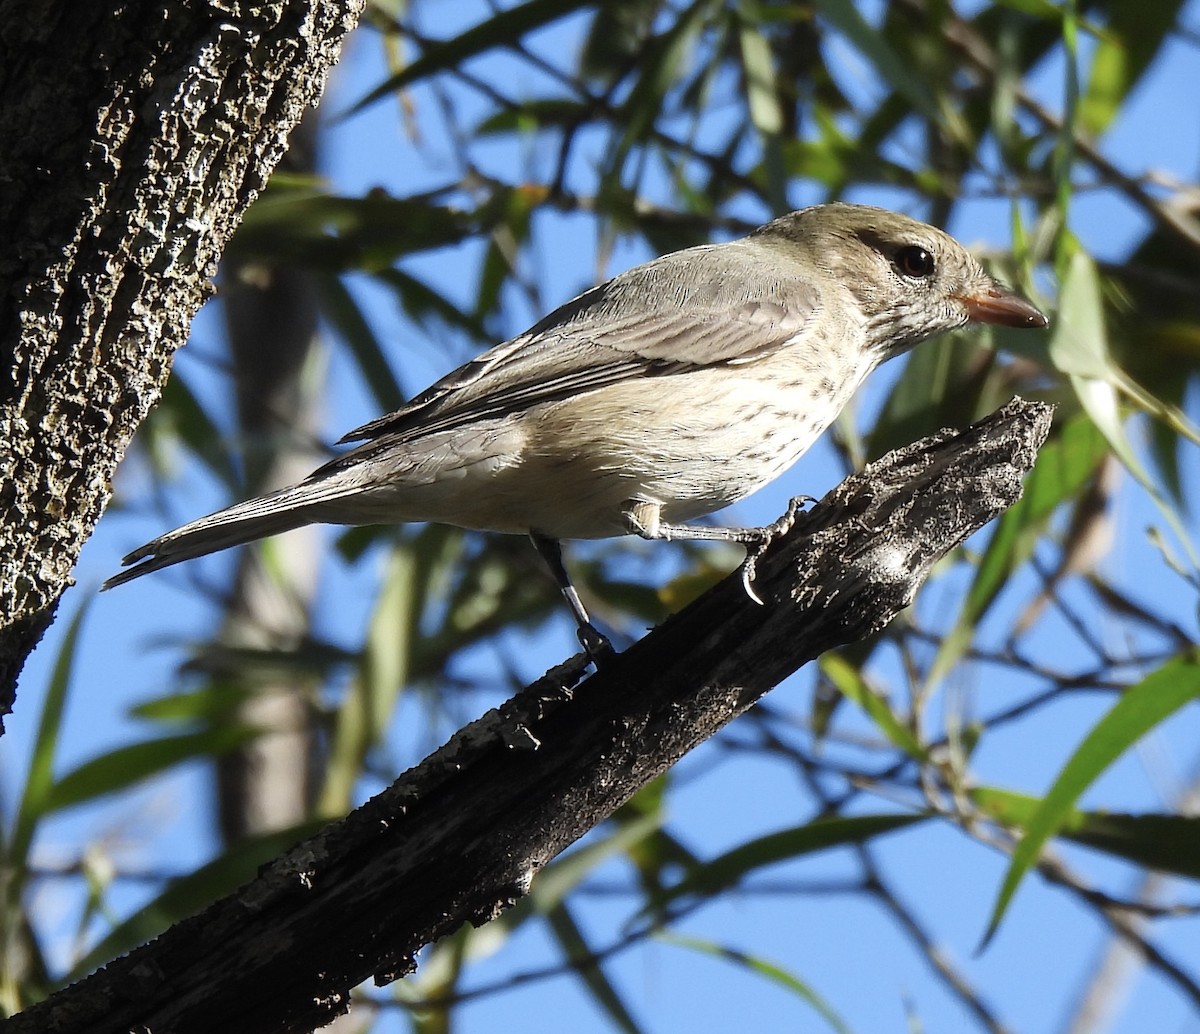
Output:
(461, 836)
(133, 135)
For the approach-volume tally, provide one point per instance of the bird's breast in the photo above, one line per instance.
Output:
(693, 442)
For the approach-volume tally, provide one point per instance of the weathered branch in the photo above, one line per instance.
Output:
(132, 138)
(460, 837)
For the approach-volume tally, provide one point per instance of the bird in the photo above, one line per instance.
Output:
(659, 397)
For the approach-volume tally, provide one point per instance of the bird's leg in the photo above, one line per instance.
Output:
(645, 519)
(595, 644)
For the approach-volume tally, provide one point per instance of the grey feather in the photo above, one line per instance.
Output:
(700, 307)
(253, 519)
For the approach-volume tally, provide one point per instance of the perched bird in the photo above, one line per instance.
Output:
(667, 393)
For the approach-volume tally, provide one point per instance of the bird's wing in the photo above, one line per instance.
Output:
(705, 306)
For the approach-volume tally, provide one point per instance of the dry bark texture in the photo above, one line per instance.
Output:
(133, 135)
(462, 835)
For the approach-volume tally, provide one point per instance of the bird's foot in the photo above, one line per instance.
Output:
(758, 542)
(595, 644)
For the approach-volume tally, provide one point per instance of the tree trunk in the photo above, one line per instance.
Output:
(133, 135)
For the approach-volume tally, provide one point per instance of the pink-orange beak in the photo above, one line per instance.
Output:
(994, 304)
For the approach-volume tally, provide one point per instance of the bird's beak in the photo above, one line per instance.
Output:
(995, 304)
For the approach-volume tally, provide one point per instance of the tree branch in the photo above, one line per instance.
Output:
(461, 836)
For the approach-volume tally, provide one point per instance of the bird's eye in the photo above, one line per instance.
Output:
(914, 261)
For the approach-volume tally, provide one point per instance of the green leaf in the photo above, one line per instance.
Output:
(557, 880)
(1079, 347)
(1168, 843)
(733, 866)
(1131, 40)
(508, 215)
(1079, 340)
(581, 958)
(850, 682)
(216, 700)
(339, 306)
(845, 16)
(939, 387)
(658, 69)
(762, 99)
(770, 970)
(180, 415)
(616, 37)
(386, 661)
(424, 304)
(1101, 401)
(1063, 467)
(121, 768)
(535, 114)
(316, 230)
(38, 792)
(759, 72)
(1036, 8)
(502, 29)
(563, 875)
(187, 895)
(1140, 708)
(1062, 470)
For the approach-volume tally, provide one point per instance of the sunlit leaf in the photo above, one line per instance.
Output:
(218, 699)
(1139, 709)
(1132, 37)
(729, 869)
(1168, 843)
(770, 970)
(849, 680)
(124, 767)
(846, 17)
(381, 677)
(762, 98)
(37, 795)
(1079, 347)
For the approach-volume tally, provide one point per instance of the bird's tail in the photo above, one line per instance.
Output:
(254, 519)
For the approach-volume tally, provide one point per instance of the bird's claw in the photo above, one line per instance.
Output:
(767, 534)
(748, 570)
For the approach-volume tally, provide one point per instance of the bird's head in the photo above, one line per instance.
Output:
(905, 280)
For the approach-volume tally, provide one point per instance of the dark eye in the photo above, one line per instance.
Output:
(914, 261)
